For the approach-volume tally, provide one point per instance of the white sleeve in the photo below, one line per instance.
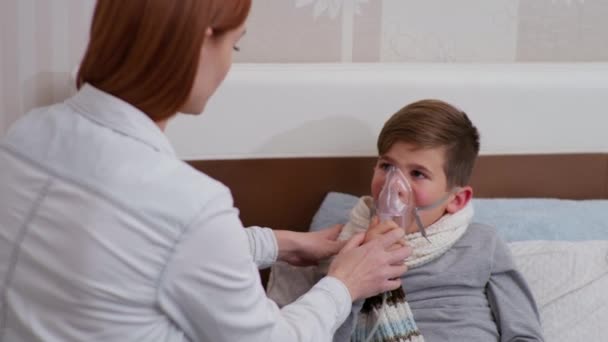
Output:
(263, 246)
(211, 288)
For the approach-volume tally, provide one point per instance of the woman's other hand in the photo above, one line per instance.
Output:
(305, 249)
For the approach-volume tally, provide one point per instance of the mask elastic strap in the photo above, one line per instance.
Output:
(437, 203)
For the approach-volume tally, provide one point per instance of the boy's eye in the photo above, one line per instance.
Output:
(384, 166)
(417, 174)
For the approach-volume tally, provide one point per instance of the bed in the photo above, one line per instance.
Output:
(297, 143)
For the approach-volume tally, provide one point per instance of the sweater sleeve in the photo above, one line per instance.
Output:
(262, 245)
(511, 299)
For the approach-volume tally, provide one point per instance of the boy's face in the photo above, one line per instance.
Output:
(423, 168)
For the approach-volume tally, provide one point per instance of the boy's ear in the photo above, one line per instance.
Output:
(460, 199)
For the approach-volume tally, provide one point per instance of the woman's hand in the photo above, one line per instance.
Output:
(376, 229)
(305, 249)
(374, 267)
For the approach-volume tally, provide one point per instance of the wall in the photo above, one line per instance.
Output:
(41, 41)
(427, 31)
(319, 110)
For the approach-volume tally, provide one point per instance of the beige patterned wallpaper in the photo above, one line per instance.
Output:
(427, 31)
(41, 41)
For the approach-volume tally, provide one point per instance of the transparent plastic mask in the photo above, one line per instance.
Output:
(396, 201)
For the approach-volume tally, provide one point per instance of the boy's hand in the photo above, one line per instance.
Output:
(377, 229)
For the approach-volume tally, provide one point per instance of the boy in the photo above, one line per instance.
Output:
(462, 284)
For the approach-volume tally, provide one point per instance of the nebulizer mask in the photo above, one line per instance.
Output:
(396, 201)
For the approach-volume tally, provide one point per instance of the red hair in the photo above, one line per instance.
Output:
(146, 52)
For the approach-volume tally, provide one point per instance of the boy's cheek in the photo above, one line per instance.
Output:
(376, 188)
(422, 197)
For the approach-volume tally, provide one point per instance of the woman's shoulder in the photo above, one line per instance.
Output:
(191, 185)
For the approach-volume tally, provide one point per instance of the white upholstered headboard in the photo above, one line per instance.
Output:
(293, 110)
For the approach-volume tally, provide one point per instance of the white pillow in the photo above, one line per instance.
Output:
(569, 281)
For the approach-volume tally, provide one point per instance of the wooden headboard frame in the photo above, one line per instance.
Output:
(285, 193)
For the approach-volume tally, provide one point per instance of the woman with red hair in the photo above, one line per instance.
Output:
(107, 236)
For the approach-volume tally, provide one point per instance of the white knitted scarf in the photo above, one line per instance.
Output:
(387, 317)
(441, 234)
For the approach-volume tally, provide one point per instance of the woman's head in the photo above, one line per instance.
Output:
(162, 56)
